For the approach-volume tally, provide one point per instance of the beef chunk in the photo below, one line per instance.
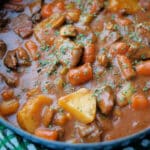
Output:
(68, 52)
(14, 7)
(3, 19)
(22, 25)
(3, 48)
(22, 57)
(105, 100)
(11, 60)
(10, 81)
(17, 57)
(89, 133)
(36, 18)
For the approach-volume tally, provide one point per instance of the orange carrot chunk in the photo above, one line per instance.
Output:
(46, 133)
(46, 11)
(80, 74)
(47, 117)
(119, 48)
(139, 101)
(7, 95)
(143, 68)
(89, 53)
(125, 67)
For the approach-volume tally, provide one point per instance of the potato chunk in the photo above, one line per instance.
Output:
(29, 117)
(130, 6)
(81, 104)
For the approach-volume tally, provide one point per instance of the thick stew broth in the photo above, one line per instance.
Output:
(76, 70)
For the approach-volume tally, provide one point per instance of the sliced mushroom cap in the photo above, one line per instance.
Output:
(3, 48)
(10, 81)
(10, 60)
(22, 57)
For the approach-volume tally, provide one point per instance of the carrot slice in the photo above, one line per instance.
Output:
(143, 68)
(46, 134)
(80, 74)
(46, 11)
(125, 67)
(119, 48)
(89, 53)
(139, 101)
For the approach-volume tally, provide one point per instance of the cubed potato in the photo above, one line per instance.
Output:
(80, 104)
(29, 117)
(129, 6)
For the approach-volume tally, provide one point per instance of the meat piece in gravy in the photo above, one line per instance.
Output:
(22, 25)
(14, 7)
(89, 133)
(68, 52)
(22, 57)
(9, 80)
(10, 60)
(3, 48)
(106, 100)
(17, 57)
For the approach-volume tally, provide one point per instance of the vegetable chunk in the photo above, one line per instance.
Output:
(29, 117)
(130, 6)
(124, 94)
(81, 104)
(80, 75)
(143, 68)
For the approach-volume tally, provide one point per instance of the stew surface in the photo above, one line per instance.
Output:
(75, 70)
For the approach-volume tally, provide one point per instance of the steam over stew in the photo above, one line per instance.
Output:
(75, 70)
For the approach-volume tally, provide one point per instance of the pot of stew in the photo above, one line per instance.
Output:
(75, 74)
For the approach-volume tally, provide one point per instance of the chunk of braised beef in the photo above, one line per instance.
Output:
(22, 57)
(145, 4)
(3, 48)
(60, 130)
(10, 60)
(68, 52)
(89, 133)
(106, 100)
(22, 25)
(3, 19)
(17, 57)
(36, 18)
(10, 81)
(14, 7)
